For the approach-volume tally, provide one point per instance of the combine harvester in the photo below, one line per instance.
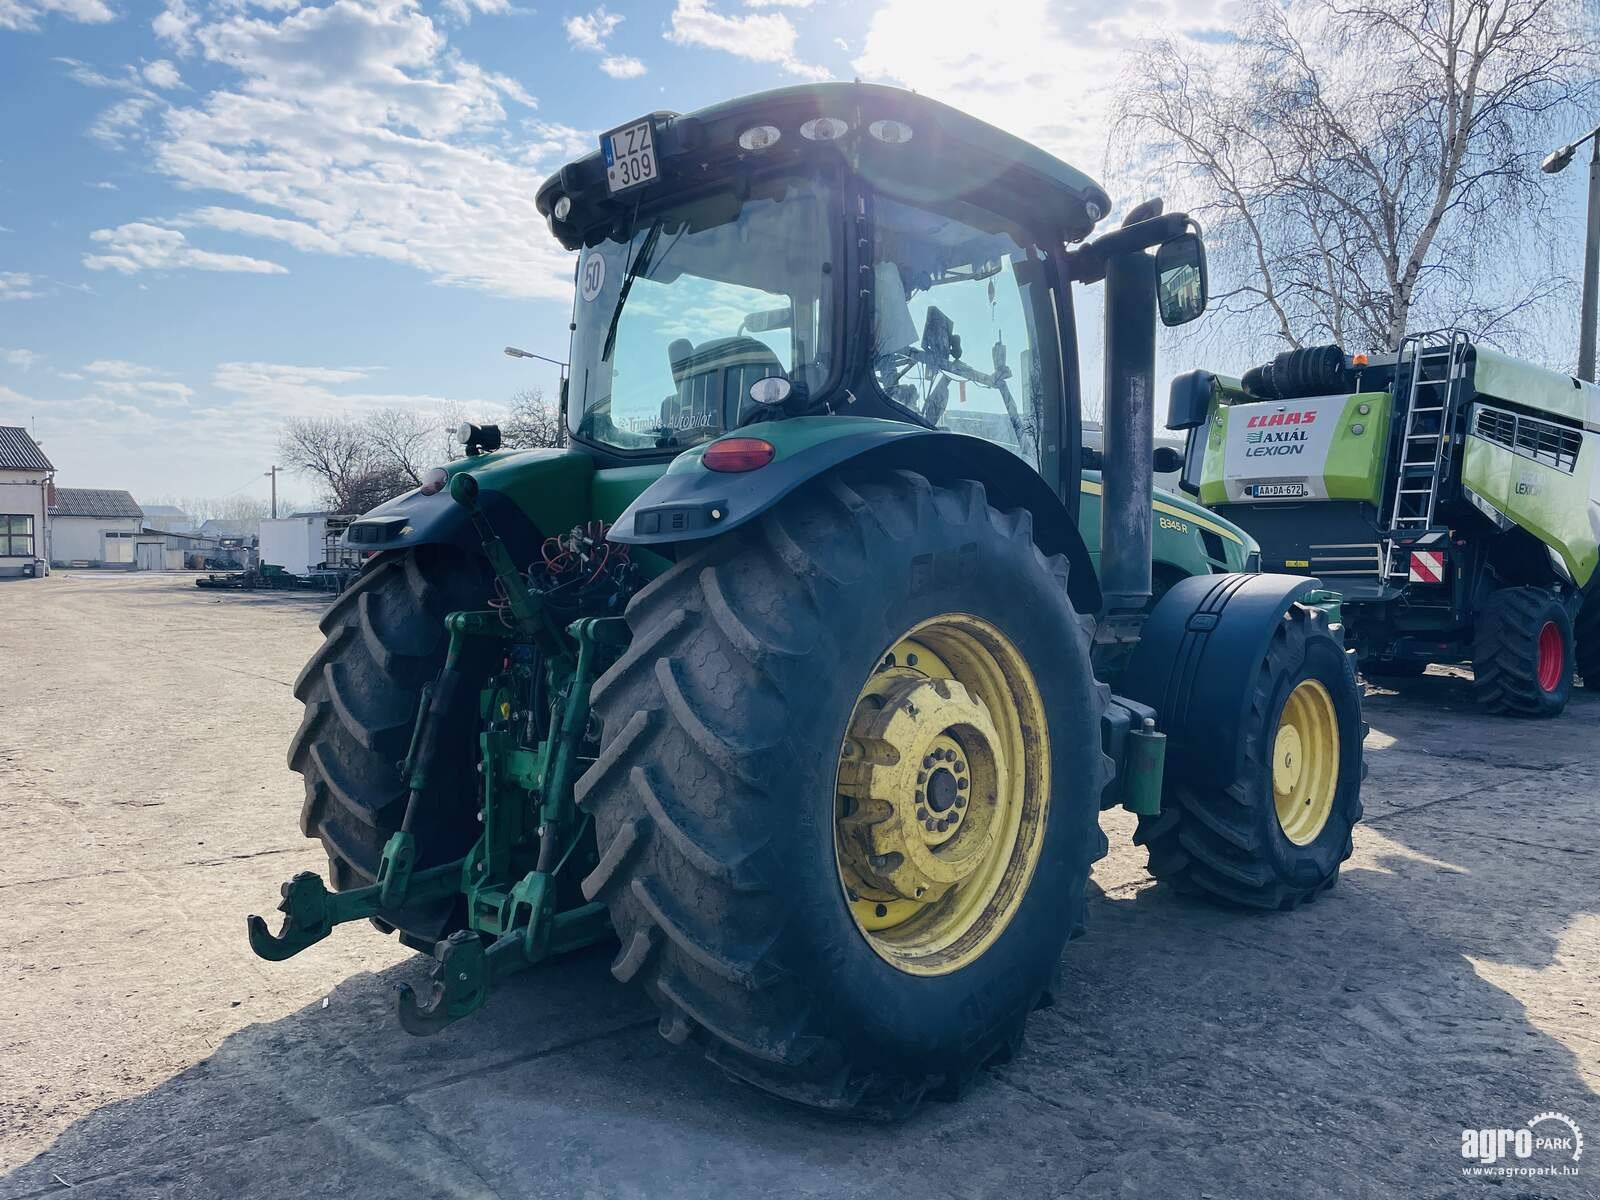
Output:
(1450, 492)
(807, 700)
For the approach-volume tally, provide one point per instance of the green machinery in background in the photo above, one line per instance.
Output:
(805, 670)
(1451, 493)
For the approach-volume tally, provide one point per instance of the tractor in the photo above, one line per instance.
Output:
(1451, 492)
(805, 669)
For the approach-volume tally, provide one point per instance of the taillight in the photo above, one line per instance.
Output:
(737, 454)
(434, 481)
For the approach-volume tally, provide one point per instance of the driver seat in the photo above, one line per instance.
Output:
(713, 381)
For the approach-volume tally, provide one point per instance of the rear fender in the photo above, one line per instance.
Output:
(1195, 662)
(691, 502)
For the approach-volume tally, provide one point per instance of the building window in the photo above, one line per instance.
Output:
(16, 536)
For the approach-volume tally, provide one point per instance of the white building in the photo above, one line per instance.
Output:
(24, 504)
(102, 527)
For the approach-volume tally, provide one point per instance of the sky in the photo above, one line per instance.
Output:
(215, 214)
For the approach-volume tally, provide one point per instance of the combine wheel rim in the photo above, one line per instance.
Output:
(1552, 657)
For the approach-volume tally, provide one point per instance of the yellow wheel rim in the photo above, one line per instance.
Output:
(942, 794)
(1305, 762)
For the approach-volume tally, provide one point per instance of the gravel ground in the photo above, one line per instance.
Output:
(1452, 980)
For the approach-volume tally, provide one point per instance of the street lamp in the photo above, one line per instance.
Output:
(514, 352)
(1557, 161)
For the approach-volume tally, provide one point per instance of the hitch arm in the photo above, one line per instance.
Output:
(310, 910)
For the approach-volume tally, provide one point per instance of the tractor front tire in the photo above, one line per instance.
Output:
(762, 673)
(384, 641)
(1522, 653)
(1273, 833)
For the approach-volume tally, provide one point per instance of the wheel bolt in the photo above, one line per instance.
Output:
(930, 825)
(922, 814)
(960, 766)
(961, 785)
(944, 825)
(961, 801)
(931, 759)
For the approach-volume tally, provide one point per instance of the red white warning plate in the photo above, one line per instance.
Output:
(1427, 566)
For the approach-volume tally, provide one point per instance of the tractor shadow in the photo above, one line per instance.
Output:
(1335, 1051)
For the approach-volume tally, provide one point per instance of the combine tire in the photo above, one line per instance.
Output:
(1522, 653)
(385, 639)
(1587, 631)
(846, 800)
(1275, 835)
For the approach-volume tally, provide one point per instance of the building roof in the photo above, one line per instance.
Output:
(19, 452)
(94, 502)
(163, 510)
(217, 527)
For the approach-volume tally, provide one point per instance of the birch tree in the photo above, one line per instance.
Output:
(1365, 167)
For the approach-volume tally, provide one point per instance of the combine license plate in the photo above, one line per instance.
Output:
(1276, 491)
(630, 154)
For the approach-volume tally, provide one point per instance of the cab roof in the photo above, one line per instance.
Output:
(948, 155)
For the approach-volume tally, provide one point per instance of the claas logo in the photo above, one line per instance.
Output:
(1253, 438)
(1270, 420)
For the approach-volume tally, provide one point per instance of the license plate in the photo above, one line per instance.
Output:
(630, 154)
(1277, 491)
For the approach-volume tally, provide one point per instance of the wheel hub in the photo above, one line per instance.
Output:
(924, 768)
(942, 794)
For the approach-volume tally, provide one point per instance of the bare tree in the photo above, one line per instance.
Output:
(534, 422)
(1368, 166)
(405, 439)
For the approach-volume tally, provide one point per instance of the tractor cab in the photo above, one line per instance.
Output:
(833, 249)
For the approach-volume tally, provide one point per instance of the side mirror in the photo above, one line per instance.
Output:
(1167, 460)
(1181, 279)
(1189, 401)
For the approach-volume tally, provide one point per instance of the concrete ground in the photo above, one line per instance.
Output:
(1452, 980)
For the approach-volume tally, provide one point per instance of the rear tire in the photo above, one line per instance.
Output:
(385, 639)
(1522, 653)
(1230, 842)
(715, 789)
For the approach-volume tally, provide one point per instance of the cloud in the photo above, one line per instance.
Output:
(591, 31)
(163, 74)
(356, 129)
(778, 3)
(297, 234)
(121, 121)
(24, 15)
(140, 246)
(23, 360)
(19, 285)
(759, 37)
(174, 24)
(1036, 68)
(462, 10)
(622, 66)
(116, 368)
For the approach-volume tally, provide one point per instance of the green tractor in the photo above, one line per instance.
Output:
(1451, 492)
(806, 669)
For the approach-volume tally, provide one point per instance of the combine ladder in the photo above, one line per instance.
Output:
(1433, 395)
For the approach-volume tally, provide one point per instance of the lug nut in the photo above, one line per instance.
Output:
(944, 824)
(960, 766)
(961, 801)
(961, 785)
(931, 759)
(922, 814)
(930, 825)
